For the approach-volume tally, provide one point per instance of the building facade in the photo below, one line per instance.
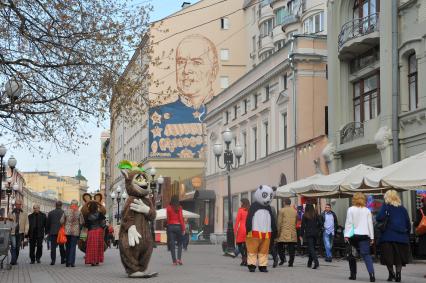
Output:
(377, 101)
(188, 64)
(50, 185)
(277, 110)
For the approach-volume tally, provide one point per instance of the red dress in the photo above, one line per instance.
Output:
(240, 225)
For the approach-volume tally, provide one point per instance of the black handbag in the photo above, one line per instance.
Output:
(383, 225)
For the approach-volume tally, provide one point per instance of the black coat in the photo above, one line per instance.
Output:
(54, 221)
(422, 239)
(35, 231)
(310, 227)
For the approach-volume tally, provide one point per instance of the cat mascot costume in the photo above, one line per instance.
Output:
(261, 228)
(135, 238)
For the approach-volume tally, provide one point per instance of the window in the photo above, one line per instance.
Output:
(254, 134)
(280, 15)
(285, 81)
(245, 106)
(224, 82)
(291, 6)
(254, 15)
(245, 195)
(284, 123)
(265, 126)
(224, 54)
(266, 28)
(314, 24)
(254, 43)
(224, 23)
(226, 117)
(235, 112)
(326, 120)
(255, 100)
(279, 44)
(244, 138)
(265, 2)
(366, 59)
(365, 8)
(267, 93)
(412, 81)
(366, 98)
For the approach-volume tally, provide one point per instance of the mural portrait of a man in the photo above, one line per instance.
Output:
(196, 69)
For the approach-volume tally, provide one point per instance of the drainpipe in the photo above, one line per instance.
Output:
(395, 69)
(294, 106)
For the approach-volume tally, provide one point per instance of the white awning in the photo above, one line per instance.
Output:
(162, 214)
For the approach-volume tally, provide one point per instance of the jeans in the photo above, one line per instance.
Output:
(15, 246)
(36, 242)
(328, 244)
(174, 231)
(364, 250)
(311, 249)
(53, 246)
(70, 249)
(291, 251)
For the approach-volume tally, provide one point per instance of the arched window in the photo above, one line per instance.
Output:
(283, 179)
(412, 81)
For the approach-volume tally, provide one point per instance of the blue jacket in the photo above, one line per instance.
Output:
(398, 227)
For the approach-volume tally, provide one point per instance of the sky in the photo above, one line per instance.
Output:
(87, 158)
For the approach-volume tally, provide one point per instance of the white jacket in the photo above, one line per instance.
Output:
(360, 219)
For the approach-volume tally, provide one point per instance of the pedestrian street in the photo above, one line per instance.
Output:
(201, 263)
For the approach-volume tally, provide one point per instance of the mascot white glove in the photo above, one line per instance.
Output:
(139, 206)
(133, 236)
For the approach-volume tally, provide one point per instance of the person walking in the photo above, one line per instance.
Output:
(240, 230)
(187, 234)
(394, 239)
(19, 218)
(95, 235)
(72, 219)
(329, 225)
(53, 225)
(273, 250)
(36, 232)
(287, 235)
(421, 250)
(359, 232)
(310, 230)
(175, 229)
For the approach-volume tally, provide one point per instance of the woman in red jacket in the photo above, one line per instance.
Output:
(175, 229)
(240, 229)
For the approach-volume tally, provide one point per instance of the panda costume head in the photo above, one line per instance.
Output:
(264, 195)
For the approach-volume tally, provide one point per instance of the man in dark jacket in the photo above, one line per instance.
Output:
(329, 226)
(52, 228)
(36, 232)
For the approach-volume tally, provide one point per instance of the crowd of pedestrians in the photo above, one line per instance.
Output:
(393, 240)
(37, 227)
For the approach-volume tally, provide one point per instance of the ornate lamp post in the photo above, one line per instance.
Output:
(228, 165)
(153, 186)
(3, 151)
(118, 196)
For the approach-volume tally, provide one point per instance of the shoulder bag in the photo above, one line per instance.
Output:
(383, 224)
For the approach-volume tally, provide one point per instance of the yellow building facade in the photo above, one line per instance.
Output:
(50, 185)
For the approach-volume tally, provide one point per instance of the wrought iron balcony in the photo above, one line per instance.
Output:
(357, 28)
(351, 132)
(288, 20)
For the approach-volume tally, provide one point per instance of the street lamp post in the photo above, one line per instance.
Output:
(118, 196)
(153, 187)
(3, 151)
(228, 165)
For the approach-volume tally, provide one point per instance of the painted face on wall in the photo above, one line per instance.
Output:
(196, 68)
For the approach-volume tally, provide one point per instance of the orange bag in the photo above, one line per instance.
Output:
(62, 238)
(421, 228)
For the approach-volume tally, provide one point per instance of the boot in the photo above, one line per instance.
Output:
(251, 267)
(275, 263)
(316, 264)
(398, 277)
(372, 278)
(352, 267)
(309, 262)
(391, 276)
(290, 261)
(353, 276)
(263, 269)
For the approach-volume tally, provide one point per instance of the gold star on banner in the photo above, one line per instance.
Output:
(196, 114)
(156, 118)
(156, 132)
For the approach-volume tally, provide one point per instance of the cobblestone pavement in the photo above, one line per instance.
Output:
(201, 264)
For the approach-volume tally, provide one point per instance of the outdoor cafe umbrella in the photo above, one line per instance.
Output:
(162, 214)
(407, 174)
(290, 189)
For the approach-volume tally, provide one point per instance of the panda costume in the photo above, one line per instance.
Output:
(261, 228)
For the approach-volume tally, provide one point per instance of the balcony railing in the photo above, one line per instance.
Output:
(358, 27)
(351, 132)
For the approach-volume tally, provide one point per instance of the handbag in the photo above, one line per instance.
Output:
(421, 228)
(62, 238)
(351, 232)
(382, 225)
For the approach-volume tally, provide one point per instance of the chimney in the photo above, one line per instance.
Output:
(185, 4)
